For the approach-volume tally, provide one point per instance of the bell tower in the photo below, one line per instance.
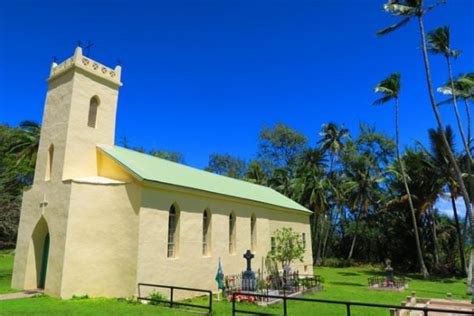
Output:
(79, 113)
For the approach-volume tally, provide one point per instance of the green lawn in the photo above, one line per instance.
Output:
(340, 284)
(6, 265)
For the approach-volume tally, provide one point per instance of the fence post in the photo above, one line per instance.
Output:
(425, 311)
(348, 309)
(285, 313)
(233, 304)
(210, 302)
(171, 301)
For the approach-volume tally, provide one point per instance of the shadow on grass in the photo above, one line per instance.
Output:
(450, 280)
(346, 283)
(348, 273)
(373, 272)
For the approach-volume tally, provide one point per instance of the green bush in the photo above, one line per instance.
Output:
(80, 297)
(155, 297)
(129, 300)
(338, 263)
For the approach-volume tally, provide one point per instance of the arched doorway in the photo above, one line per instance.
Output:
(41, 243)
(44, 263)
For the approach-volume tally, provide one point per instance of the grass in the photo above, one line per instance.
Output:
(340, 284)
(6, 266)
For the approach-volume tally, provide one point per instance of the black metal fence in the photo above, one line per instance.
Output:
(347, 304)
(289, 283)
(172, 302)
(383, 282)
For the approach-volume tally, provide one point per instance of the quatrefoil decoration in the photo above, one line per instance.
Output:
(95, 66)
(85, 61)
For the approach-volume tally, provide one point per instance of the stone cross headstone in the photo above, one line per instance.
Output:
(248, 255)
(249, 282)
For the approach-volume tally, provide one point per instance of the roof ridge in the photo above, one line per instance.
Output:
(195, 168)
(152, 168)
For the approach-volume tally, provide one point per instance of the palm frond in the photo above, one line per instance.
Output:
(455, 53)
(397, 9)
(447, 101)
(383, 100)
(445, 90)
(394, 27)
(438, 41)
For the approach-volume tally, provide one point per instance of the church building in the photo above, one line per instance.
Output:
(100, 218)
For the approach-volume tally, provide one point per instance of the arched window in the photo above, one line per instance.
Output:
(49, 163)
(206, 233)
(93, 109)
(173, 231)
(232, 233)
(253, 233)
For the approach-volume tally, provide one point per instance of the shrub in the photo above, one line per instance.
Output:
(129, 300)
(155, 298)
(80, 297)
(338, 262)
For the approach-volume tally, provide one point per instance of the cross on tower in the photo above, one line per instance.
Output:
(88, 48)
(248, 255)
(43, 203)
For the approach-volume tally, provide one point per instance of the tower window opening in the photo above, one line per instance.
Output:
(93, 110)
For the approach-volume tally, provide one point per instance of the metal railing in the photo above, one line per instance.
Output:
(384, 282)
(348, 305)
(172, 302)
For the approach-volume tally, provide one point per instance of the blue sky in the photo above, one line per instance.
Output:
(205, 76)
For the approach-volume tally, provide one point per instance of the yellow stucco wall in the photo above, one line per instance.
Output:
(102, 239)
(27, 257)
(190, 268)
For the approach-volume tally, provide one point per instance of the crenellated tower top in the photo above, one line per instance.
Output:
(78, 60)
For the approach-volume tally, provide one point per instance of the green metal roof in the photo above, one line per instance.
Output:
(161, 170)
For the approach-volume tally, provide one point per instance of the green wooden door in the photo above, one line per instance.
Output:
(44, 263)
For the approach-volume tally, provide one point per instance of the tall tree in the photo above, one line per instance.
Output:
(280, 147)
(439, 43)
(332, 142)
(282, 181)
(445, 171)
(255, 173)
(227, 165)
(311, 188)
(26, 146)
(464, 89)
(390, 90)
(361, 187)
(408, 9)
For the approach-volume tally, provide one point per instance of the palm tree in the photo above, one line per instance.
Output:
(255, 173)
(408, 9)
(311, 188)
(390, 89)
(26, 147)
(439, 43)
(332, 142)
(464, 89)
(281, 181)
(439, 158)
(361, 188)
